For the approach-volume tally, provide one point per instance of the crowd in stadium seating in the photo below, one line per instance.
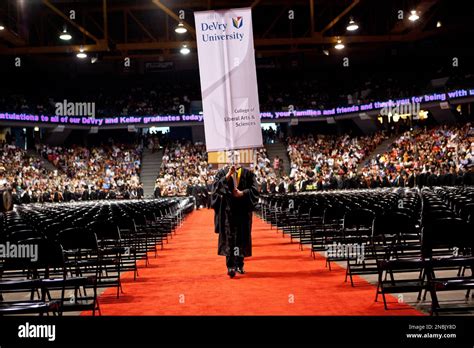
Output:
(324, 162)
(183, 164)
(303, 93)
(174, 96)
(157, 99)
(436, 156)
(185, 170)
(441, 155)
(82, 173)
(22, 173)
(108, 166)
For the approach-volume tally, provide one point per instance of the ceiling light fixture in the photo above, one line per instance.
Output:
(352, 25)
(65, 36)
(181, 29)
(413, 16)
(81, 54)
(339, 45)
(184, 50)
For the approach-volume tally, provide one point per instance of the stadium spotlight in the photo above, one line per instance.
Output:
(180, 29)
(184, 50)
(339, 45)
(414, 16)
(81, 54)
(352, 25)
(65, 36)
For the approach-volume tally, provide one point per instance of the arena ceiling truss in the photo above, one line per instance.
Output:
(146, 27)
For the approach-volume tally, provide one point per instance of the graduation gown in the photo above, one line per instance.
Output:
(291, 188)
(273, 188)
(25, 199)
(67, 195)
(233, 216)
(411, 181)
(85, 195)
(157, 192)
(281, 188)
(93, 195)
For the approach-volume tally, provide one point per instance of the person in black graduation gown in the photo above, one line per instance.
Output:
(377, 181)
(318, 185)
(292, 186)
(101, 194)
(450, 177)
(57, 195)
(411, 180)
(281, 186)
(85, 194)
(157, 192)
(125, 192)
(140, 191)
(111, 194)
(189, 188)
(203, 194)
(77, 195)
(192, 190)
(431, 179)
(67, 194)
(422, 181)
(209, 186)
(233, 208)
(94, 193)
(16, 198)
(385, 182)
(468, 176)
(46, 196)
(34, 196)
(26, 197)
(273, 187)
(264, 187)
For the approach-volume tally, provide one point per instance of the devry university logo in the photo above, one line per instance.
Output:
(237, 22)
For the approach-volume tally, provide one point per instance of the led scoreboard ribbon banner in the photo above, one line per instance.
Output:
(274, 116)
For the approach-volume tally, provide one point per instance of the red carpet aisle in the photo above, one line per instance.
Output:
(188, 278)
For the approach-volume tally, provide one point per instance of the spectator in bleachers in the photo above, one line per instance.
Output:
(81, 173)
(328, 161)
(426, 157)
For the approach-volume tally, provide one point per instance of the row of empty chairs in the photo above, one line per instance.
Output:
(77, 248)
(390, 233)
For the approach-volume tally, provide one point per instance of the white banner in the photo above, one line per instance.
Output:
(228, 79)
